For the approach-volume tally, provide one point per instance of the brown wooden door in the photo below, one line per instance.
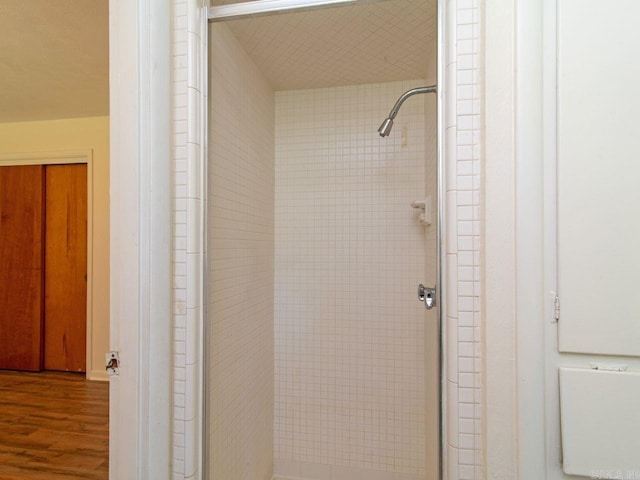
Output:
(21, 253)
(65, 268)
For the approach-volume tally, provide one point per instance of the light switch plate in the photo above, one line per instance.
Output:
(112, 360)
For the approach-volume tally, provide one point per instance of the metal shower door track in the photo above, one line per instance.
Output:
(233, 11)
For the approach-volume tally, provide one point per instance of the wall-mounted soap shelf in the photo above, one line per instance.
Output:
(425, 207)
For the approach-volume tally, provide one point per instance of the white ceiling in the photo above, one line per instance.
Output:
(367, 43)
(54, 59)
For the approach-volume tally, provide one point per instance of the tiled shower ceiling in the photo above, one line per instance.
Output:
(348, 45)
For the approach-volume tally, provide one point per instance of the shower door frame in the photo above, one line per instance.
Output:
(440, 230)
(199, 61)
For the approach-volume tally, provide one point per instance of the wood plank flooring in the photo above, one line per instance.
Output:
(53, 426)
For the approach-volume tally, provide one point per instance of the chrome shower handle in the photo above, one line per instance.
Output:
(427, 295)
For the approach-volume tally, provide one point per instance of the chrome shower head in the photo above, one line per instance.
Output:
(385, 128)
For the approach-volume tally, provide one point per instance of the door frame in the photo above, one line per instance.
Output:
(66, 157)
(140, 239)
(501, 417)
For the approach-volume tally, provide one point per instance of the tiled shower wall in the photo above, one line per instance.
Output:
(463, 309)
(180, 231)
(350, 251)
(241, 266)
(188, 94)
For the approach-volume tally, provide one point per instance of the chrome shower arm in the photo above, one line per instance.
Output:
(385, 128)
(407, 94)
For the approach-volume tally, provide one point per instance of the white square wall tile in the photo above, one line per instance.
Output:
(194, 212)
(451, 223)
(451, 101)
(450, 173)
(194, 173)
(407, 476)
(193, 10)
(194, 101)
(289, 468)
(452, 349)
(452, 463)
(194, 77)
(194, 261)
(451, 16)
(380, 475)
(314, 471)
(191, 448)
(466, 472)
(346, 473)
(452, 285)
(192, 393)
(452, 414)
(192, 335)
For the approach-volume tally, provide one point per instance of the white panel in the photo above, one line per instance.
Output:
(600, 424)
(598, 171)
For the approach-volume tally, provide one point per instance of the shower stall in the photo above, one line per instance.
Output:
(321, 362)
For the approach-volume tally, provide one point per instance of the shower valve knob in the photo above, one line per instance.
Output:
(427, 295)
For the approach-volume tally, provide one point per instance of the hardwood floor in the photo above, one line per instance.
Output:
(53, 426)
